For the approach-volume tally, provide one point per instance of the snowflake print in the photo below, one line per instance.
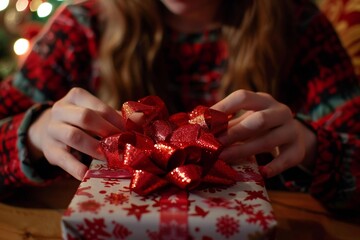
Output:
(120, 231)
(137, 210)
(89, 206)
(200, 212)
(93, 230)
(214, 189)
(217, 202)
(110, 182)
(249, 175)
(68, 212)
(227, 226)
(253, 195)
(116, 198)
(243, 208)
(82, 192)
(261, 218)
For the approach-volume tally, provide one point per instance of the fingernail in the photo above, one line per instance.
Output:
(265, 171)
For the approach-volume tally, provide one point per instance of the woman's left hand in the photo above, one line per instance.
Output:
(265, 125)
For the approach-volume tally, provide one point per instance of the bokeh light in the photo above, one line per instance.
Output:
(4, 4)
(44, 9)
(21, 5)
(21, 46)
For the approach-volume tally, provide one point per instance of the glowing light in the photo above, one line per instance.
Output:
(4, 4)
(21, 46)
(21, 5)
(44, 9)
(34, 5)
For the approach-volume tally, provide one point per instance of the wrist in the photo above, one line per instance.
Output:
(310, 142)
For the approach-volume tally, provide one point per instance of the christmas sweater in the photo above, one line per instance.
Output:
(322, 90)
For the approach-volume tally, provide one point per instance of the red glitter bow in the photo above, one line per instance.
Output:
(179, 150)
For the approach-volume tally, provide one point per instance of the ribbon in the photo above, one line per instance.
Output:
(161, 150)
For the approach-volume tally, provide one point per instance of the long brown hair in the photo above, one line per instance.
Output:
(258, 33)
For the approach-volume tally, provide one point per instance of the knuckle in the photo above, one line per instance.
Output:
(85, 116)
(73, 136)
(266, 95)
(241, 94)
(74, 93)
(260, 119)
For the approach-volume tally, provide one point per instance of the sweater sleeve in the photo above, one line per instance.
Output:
(330, 103)
(60, 59)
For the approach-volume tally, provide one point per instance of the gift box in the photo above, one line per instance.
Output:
(105, 208)
(163, 179)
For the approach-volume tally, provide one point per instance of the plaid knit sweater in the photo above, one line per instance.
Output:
(322, 88)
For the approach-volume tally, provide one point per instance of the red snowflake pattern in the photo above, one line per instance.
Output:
(261, 218)
(243, 208)
(214, 189)
(248, 174)
(199, 212)
(227, 226)
(68, 212)
(81, 192)
(217, 202)
(110, 182)
(120, 231)
(137, 210)
(89, 206)
(252, 195)
(93, 230)
(116, 198)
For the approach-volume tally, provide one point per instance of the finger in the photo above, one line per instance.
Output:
(83, 98)
(233, 158)
(85, 118)
(262, 143)
(253, 125)
(239, 118)
(290, 156)
(243, 99)
(77, 139)
(59, 156)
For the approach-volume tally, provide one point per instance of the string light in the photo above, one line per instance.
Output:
(44, 9)
(21, 46)
(34, 5)
(21, 5)
(4, 4)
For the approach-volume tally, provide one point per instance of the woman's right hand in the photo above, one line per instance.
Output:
(75, 122)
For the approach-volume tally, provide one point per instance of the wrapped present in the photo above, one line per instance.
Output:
(104, 207)
(164, 180)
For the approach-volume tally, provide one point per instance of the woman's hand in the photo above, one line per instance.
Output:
(264, 126)
(75, 122)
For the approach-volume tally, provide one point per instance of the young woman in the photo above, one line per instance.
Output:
(279, 63)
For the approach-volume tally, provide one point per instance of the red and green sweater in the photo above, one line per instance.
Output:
(322, 90)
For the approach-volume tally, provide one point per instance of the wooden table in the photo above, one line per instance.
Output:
(302, 217)
(36, 214)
